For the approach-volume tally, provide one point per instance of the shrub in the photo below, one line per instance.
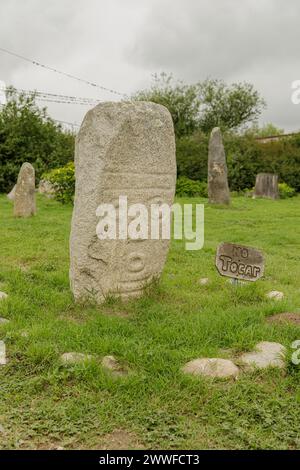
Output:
(28, 134)
(286, 191)
(63, 181)
(189, 188)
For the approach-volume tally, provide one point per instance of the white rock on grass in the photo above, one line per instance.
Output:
(3, 321)
(112, 364)
(266, 354)
(275, 295)
(204, 281)
(211, 367)
(3, 359)
(3, 296)
(75, 358)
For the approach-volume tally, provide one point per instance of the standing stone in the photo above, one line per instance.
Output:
(25, 192)
(218, 190)
(122, 149)
(266, 186)
(47, 189)
(11, 195)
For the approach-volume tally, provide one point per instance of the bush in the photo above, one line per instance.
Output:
(286, 191)
(189, 188)
(28, 134)
(63, 181)
(246, 157)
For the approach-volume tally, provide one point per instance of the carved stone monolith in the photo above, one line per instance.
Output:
(266, 186)
(122, 150)
(24, 202)
(218, 190)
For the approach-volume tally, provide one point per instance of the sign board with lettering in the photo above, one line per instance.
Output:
(239, 262)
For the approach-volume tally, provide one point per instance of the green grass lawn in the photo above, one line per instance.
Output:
(44, 404)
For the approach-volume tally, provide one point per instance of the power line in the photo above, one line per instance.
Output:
(39, 64)
(55, 97)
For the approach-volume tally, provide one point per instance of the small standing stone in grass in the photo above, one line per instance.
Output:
(11, 195)
(211, 367)
(3, 296)
(204, 281)
(25, 192)
(3, 359)
(112, 364)
(2, 430)
(266, 354)
(266, 186)
(218, 190)
(275, 295)
(3, 321)
(75, 358)
(47, 189)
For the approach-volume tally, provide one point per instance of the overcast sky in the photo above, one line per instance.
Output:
(121, 43)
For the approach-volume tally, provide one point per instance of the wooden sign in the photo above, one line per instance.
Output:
(239, 262)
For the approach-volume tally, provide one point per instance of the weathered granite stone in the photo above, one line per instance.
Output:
(266, 186)
(211, 367)
(75, 358)
(266, 354)
(3, 359)
(25, 192)
(3, 296)
(218, 190)
(275, 295)
(46, 188)
(122, 149)
(112, 364)
(11, 195)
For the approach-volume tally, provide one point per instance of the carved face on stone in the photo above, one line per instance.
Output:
(130, 152)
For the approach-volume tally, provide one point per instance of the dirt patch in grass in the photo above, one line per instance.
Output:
(120, 439)
(287, 317)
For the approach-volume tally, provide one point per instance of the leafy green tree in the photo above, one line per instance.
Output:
(229, 107)
(267, 130)
(180, 99)
(27, 133)
(205, 105)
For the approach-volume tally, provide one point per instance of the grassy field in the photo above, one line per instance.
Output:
(46, 405)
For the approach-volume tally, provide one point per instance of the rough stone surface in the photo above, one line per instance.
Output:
(75, 358)
(11, 195)
(266, 354)
(122, 149)
(275, 295)
(211, 367)
(110, 363)
(218, 190)
(46, 188)
(25, 192)
(204, 281)
(3, 296)
(3, 359)
(266, 186)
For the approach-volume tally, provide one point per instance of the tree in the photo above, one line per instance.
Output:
(181, 100)
(267, 130)
(205, 105)
(229, 107)
(27, 133)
